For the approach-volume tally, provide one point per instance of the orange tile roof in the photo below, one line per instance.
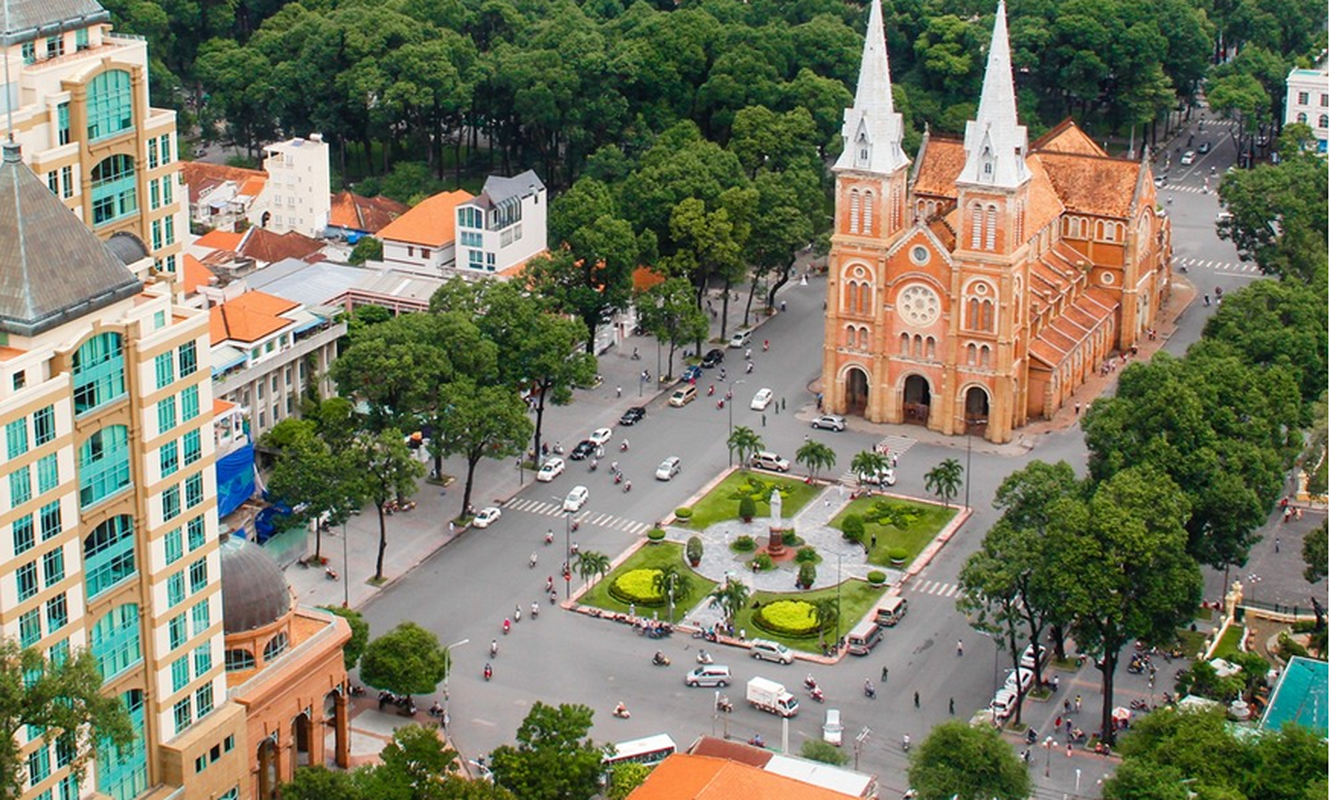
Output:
(430, 222)
(252, 187)
(220, 407)
(1095, 185)
(1042, 203)
(263, 245)
(940, 162)
(1066, 137)
(249, 317)
(220, 240)
(200, 177)
(369, 214)
(689, 777)
(195, 275)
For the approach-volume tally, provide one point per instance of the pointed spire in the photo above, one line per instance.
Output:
(995, 141)
(873, 130)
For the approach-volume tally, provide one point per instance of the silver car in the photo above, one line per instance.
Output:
(830, 422)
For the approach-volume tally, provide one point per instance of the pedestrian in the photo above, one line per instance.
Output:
(1068, 724)
(618, 391)
(743, 635)
(1066, 706)
(1288, 514)
(885, 672)
(1078, 704)
(452, 528)
(960, 648)
(916, 699)
(951, 706)
(782, 404)
(1277, 543)
(874, 540)
(1057, 723)
(1068, 749)
(1078, 408)
(782, 306)
(826, 502)
(1297, 513)
(632, 609)
(764, 420)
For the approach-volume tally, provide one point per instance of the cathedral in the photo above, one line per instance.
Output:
(973, 290)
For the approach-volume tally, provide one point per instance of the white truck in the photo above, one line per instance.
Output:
(772, 697)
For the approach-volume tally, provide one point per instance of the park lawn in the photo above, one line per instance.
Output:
(856, 599)
(651, 556)
(913, 539)
(719, 505)
(1191, 642)
(1228, 643)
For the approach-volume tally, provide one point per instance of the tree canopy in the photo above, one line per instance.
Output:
(971, 763)
(406, 660)
(553, 758)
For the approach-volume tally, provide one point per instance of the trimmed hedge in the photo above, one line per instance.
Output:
(806, 555)
(747, 508)
(683, 513)
(744, 544)
(897, 555)
(791, 539)
(637, 586)
(656, 535)
(693, 550)
(807, 574)
(877, 577)
(791, 618)
(852, 528)
(763, 562)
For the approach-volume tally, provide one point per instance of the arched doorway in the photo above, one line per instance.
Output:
(268, 768)
(976, 410)
(301, 733)
(856, 391)
(918, 399)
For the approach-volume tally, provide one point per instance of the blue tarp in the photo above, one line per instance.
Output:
(235, 479)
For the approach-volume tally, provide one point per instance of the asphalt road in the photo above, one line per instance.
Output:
(465, 590)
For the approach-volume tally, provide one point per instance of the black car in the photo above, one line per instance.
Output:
(584, 449)
(1204, 148)
(633, 416)
(712, 358)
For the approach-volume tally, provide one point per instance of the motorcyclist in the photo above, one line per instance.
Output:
(494, 647)
(621, 710)
(489, 672)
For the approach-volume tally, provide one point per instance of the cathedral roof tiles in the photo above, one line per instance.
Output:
(1092, 184)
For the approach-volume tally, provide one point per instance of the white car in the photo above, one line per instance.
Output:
(551, 469)
(1027, 655)
(576, 499)
(668, 468)
(487, 517)
(761, 400)
(1026, 677)
(884, 477)
(1188, 158)
(601, 435)
(832, 730)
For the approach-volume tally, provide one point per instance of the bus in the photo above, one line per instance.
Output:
(649, 750)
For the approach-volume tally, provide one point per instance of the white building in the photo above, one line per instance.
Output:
(297, 195)
(1308, 101)
(503, 227)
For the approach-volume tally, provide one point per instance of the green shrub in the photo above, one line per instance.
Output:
(790, 539)
(792, 618)
(637, 586)
(877, 577)
(763, 561)
(683, 513)
(807, 574)
(852, 527)
(897, 555)
(1289, 648)
(747, 508)
(693, 550)
(826, 752)
(656, 535)
(1304, 626)
(806, 555)
(744, 544)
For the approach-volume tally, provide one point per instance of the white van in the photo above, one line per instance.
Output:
(741, 339)
(863, 638)
(891, 611)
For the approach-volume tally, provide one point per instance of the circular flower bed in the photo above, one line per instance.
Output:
(637, 586)
(789, 618)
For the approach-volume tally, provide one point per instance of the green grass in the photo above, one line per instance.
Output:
(720, 505)
(1228, 644)
(913, 539)
(652, 556)
(856, 598)
(1191, 642)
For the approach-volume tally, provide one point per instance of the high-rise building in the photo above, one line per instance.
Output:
(975, 289)
(75, 96)
(108, 522)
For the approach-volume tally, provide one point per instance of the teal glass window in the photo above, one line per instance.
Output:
(115, 640)
(62, 115)
(202, 660)
(99, 372)
(81, 39)
(59, 654)
(52, 520)
(179, 673)
(198, 533)
(23, 537)
(165, 369)
(57, 613)
(173, 547)
(275, 646)
(110, 104)
(103, 464)
(193, 446)
(175, 589)
(189, 403)
(194, 490)
(29, 52)
(39, 764)
(154, 195)
(43, 425)
(48, 473)
(198, 575)
(152, 154)
(65, 751)
(239, 659)
(171, 503)
(169, 224)
(30, 628)
(183, 715)
(122, 773)
(114, 189)
(108, 554)
(203, 700)
(166, 149)
(177, 632)
(166, 415)
(16, 437)
(67, 182)
(69, 788)
(20, 485)
(202, 617)
(168, 197)
(53, 566)
(170, 458)
(26, 575)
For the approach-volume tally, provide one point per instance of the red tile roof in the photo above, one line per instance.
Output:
(249, 317)
(220, 240)
(195, 275)
(1066, 137)
(201, 177)
(369, 214)
(1092, 184)
(940, 163)
(692, 777)
(263, 245)
(430, 223)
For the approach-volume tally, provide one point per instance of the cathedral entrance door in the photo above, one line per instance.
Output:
(976, 410)
(918, 398)
(856, 391)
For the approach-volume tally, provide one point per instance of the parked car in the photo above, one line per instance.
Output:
(1027, 657)
(832, 730)
(830, 422)
(576, 499)
(551, 469)
(761, 400)
(1025, 676)
(713, 357)
(883, 477)
(765, 650)
(601, 435)
(585, 449)
(668, 468)
(691, 374)
(633, 416)
(487, 517)
(683, 396)
(768, 460)
(1004, 703)
(1188, 158)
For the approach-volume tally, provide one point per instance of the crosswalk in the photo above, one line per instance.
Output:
(935, 588)
(548, 509)
(1240, 268)
(897, 446)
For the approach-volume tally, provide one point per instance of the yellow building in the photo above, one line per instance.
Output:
(76, 98)
(976, 289)
(108, 528)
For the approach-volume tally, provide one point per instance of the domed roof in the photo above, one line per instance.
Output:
(254, 590)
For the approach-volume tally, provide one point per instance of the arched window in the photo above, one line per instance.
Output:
(849, 336)
(854, 211)
(275, 647)
(110, 104)
(970, 354)
(868, 213)
(103, 464)
(239, 659)
(114, 189)
(1302, 117)
(863, 338)
(976, 225)
(905, 344)
(984, 353)
(1323, 121)
(99, 372)
(918, 346)
(865, 298)
(986, 315)
(108, 554)
(972, 313)
(990, 232)
(851, 288)
(1111, 232)
(930, 348)
(115, 640)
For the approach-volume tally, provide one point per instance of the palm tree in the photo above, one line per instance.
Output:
(868, 463)
(816, 456)
(744, 442)
(944, 480)
(671, 577)
(731, 597)
(591, 563)
(828, 614)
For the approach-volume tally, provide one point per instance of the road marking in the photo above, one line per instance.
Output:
(541, 508)
(937, 588)
(1240, 267)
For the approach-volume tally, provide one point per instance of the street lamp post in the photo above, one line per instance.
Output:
(839, 557)
(449, 674)
(1048, 755)
(567, 550)
(346, 570)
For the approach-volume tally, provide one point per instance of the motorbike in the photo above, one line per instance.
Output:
(1031, 736)
(757, 741)
(535, 609)
(489, 672)
(1140, 705)
(627, 487)
(558, 448)
(594, 464)
(621, 711)
(703, 657)
(494, 647)
(554, 597)
(869, 691)
(507, 626)
(549, 538)
(623, 448)
(749, 369)
(711, 390)
(809, 683)
(436, 710)
(357, 690)
(618, 478)
(905, 743)
(533, 560)
(549, 584)
(817, 695)
(1078, 736)
(660, 660)
(724, 704)
(517, 613)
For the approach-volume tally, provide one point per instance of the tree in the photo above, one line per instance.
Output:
(744, 442)
(395, 367)
(480, 422)
(958, 761)
(63, 697)
(710, 245)
(367, 249)
(314, 478)
(415, 757)
(389, 471)
(828, 616)
(317, 782)
(730, 597)
(624, 778)
(406, 660)
(1122, 568)
(672, 581)
(1314, 546)
(826, 752)
(1277, 323)
(669, 312)
(944, 480)
(355, 646)
(554, 758)
(991, 600)
(868, 463)
(816, 456)
(591, 563)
